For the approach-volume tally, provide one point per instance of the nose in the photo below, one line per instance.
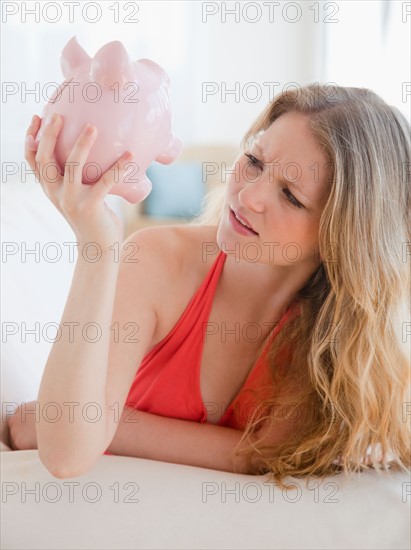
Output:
(252, 195)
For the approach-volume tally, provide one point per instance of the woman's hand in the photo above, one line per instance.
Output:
(22, 427)
(81, 204)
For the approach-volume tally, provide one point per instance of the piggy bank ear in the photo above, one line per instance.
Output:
(72, 56)
(111, 64)
(153, 71)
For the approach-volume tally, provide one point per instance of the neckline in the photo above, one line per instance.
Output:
(259, 361)
(258, 365)
(218, 263)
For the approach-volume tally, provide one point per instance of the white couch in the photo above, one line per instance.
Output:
(137, 503)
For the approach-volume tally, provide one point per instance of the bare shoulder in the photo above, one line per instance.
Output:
(172, 245)
(173, 253)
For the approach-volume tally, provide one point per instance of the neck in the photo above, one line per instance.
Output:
(260, 290)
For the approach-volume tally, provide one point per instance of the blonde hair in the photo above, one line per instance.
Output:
(345, 350)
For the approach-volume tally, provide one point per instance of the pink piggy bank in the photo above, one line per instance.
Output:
(129, 104)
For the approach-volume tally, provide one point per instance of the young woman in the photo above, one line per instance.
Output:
(271, 331)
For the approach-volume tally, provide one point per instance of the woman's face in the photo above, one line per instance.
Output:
(285, 215)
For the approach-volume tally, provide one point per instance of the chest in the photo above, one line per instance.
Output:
(227, 360)
(232, 345)
(230, 348)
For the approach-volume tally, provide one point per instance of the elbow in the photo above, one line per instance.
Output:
(60, 472)
(67, 460)
(62, 469)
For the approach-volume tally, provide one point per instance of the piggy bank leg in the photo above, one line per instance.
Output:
(171, 152)
(132, 191)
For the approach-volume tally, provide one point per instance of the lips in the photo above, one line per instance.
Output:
(243, 220)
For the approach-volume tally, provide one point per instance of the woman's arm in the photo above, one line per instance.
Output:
(145, 435)
(75, 374)
(94, 357)
(97, 375)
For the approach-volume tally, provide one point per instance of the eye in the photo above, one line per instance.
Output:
(292, 199)
(252, 161)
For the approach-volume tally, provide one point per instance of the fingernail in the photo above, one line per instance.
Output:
(33, 120)
(128, 155)
(88, 129)
(54, 118)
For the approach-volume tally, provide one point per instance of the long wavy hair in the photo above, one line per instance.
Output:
(345, 355)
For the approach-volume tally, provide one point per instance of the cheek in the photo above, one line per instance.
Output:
(289, 226)
(306, 234)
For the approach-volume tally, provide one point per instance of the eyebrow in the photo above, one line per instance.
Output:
(289, 182)
(283, 179)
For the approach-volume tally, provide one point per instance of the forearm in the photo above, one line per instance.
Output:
(146, 435)
(76, 370)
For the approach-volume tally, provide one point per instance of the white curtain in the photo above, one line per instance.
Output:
(369, 46)
(251, 47)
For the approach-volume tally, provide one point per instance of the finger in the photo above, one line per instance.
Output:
(73, 173)
(32, 132)
(114, 174)
(45, 153)
(30, 146)
(10, 441)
